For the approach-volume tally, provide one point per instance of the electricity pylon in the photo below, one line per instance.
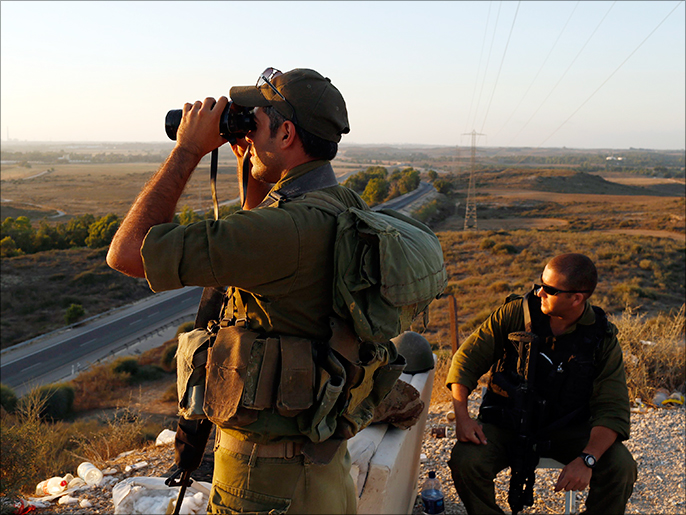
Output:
(470, 209)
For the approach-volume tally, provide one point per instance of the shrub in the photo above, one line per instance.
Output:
(168, 359)
(73, 313)
(486, 243)
(127, 366)
(503, 248)
(653, 352)
(56, 400)
(8, 399)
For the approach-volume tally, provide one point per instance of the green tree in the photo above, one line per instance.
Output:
(77, 230)
(188, 216)
(101, 232)
(409, 181)
(21, 231)
(376, 191)
(8, 248)
(443, 186)
(433, 175)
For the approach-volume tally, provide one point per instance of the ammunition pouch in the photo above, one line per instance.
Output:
(331, 388)
(191, 357)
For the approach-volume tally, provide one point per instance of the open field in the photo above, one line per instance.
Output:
(633, 222)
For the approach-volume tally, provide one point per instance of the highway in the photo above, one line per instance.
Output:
(59, 355)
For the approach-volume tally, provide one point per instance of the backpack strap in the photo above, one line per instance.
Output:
(317, 179)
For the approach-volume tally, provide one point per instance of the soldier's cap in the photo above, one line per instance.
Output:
(301, 95)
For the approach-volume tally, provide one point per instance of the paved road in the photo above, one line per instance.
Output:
(56, 356)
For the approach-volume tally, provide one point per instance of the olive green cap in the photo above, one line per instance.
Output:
(312, 102)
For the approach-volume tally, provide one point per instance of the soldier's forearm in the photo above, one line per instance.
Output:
(156, 204)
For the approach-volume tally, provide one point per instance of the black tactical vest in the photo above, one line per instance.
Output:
(565, 370)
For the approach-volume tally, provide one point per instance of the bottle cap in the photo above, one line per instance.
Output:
(432, 475)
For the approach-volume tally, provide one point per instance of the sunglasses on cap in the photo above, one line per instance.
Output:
(266, 77)
(550, 290)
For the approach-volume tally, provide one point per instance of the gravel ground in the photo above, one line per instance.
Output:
(657, 443)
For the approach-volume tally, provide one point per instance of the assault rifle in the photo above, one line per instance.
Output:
(523, 453)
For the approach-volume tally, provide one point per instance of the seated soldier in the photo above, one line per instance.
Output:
(579, 414)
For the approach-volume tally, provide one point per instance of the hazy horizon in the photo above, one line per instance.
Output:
(535, 74)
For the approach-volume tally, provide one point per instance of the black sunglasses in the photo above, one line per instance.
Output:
(549, 290)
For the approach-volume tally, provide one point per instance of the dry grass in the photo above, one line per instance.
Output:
(654, 355)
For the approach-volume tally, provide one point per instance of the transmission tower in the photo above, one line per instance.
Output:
(470, 210)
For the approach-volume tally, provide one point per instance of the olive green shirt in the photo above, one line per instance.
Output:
(609, 404)
(280, 261)
(279, 258)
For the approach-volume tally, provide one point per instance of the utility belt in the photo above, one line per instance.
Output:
(331, 388)
(285, 450)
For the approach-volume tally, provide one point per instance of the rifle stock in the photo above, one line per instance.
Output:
(523, 454)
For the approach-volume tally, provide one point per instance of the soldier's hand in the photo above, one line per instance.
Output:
(469, 430)
(575, 476)
(198, 132)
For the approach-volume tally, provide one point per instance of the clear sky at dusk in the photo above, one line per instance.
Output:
(538, 74)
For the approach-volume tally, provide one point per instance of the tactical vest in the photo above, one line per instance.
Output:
(328, 388)
(564, 374)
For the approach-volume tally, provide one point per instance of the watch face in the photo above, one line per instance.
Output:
(589, 460)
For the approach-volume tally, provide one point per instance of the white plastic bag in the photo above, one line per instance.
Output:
(149, 495)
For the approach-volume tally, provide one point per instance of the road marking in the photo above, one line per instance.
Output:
(34, 365)
(89, 341)
(136, 322)
(152, 314)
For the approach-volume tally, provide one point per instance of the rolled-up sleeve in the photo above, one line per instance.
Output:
(249, 249)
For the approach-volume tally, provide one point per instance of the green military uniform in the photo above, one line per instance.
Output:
(280, 261)
(474, 466)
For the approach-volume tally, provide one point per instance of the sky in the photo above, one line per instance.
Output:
(589, 74)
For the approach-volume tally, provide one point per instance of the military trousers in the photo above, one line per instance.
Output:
(473, 468)
(281, 485)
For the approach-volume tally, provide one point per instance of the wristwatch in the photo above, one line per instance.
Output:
(589, 459)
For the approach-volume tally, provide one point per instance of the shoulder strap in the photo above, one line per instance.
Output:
(317, 179)
(527, 313)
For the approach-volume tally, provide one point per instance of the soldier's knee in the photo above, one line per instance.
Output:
(465, 459)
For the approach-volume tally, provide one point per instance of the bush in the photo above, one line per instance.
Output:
(125, 366)
(56, 400)
(168, 359)
(503, 248)
(653, 352)
(73, 313)
(8, 399)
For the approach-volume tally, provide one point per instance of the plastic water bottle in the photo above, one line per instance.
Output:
(432, 496)
(91, 474)
(54, 486)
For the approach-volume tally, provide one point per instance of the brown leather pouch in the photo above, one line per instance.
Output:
(296, 387)
(227, 361)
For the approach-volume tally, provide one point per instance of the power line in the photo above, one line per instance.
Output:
(563, 75)
(501, 66)
(478, 71)
(611, 75)
(487, 62)
(540, 69)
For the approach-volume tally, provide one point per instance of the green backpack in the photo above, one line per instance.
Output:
(388, 268)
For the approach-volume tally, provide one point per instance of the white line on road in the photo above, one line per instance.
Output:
(152, 314)
(34, 365)
(89, 341)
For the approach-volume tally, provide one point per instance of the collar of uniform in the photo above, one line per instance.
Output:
(298, 171)
(586, 318)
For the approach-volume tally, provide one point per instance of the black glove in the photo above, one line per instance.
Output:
(189, 444)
